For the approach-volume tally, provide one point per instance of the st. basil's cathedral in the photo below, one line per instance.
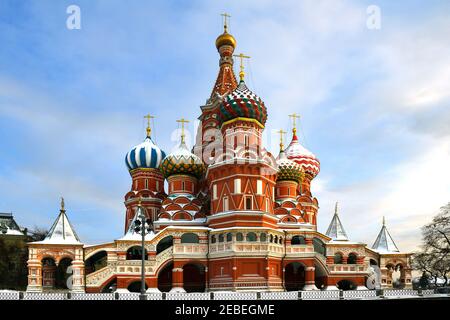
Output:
(233, 218)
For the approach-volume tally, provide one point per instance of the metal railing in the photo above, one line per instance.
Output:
(278, 295)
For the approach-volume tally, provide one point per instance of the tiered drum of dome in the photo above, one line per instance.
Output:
(226, 215)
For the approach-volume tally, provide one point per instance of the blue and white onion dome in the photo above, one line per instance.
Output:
(145, 155)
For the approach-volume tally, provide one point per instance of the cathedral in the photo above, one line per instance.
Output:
(226, 215)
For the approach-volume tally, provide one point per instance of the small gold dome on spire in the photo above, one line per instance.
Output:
(225, 38)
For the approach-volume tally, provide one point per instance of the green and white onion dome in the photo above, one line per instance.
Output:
(182, 161)
(288, 169)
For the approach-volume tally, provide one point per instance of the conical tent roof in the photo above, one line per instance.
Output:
(384, 241)
(62, 231)
(131, 233)
(336, 230)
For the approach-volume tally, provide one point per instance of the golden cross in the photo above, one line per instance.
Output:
(294, 117)
(149, 130)
(241, 56)
(281, 132)
(62, 204)
(182, 121)
(225, 24)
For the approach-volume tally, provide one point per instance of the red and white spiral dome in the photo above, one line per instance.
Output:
(305, 158)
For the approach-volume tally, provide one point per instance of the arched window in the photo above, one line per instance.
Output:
(271, 238)
(319, 246)
(351, 258)
(239, 237)
(275, 239)
(221, 237)
(164, 243)
(337, 258)
(213, 238)
(248, 203)
(96, 262)
(189, 238)
(135, 253)
(229, 237)
(280, 240)
(263, 237)
(251, 236)
(298, 240)
(48, 262)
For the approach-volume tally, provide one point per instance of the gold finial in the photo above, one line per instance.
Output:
(140, 201)
(62, 204)
(336, 208)
(182, 121)
(149, 130)
(241, 56)
(225, 22)
(294, 117)
(281, 132)
(384, 221)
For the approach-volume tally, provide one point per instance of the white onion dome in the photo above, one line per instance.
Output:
(145, 155)
(288, 169)
(305, 158)
(182, 161)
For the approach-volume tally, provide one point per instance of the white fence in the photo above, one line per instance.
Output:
(235, 296)
(281, 295)
(428, 292)
(9, 295)
(400, 293)
(44, 296)
(188, 296)
(92, 296)
(127, 296)
(359, 294)
(320, 295)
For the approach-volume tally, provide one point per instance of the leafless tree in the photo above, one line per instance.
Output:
(37, 234)
(434, 258)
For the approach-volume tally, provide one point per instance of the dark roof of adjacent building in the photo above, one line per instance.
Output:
(8, 226)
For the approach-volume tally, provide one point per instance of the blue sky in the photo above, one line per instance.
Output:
(374, 103)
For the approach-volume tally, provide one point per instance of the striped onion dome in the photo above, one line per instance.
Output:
(305, 158)
(242, 103)
(288, 169)
(145, 155)
(182, 161)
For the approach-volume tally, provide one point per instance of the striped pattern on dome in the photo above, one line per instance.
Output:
(145, 155)
(242, 103)
(305, 158)
(288, 169)
(182, 161)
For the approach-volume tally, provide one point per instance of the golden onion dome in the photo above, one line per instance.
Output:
(225, 39)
